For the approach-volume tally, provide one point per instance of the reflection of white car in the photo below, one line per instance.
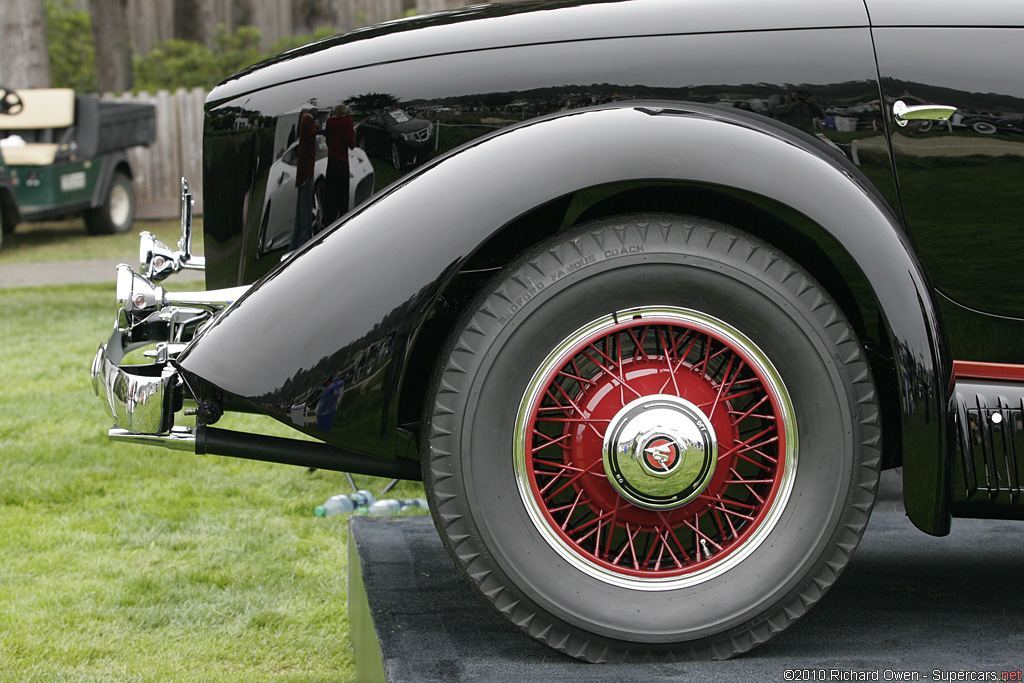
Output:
(279, 204)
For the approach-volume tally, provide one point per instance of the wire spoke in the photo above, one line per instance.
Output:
(586, 392)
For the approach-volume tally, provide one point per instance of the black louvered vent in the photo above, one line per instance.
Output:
(991, 464)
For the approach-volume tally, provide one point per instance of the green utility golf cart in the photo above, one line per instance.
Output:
(65, 154)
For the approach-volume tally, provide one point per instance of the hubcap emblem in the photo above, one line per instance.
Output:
(661, 456)
(660, 452)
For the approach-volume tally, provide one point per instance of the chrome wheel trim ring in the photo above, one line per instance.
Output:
(691, 318)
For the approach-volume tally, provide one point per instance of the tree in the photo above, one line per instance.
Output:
(72, 57)
(24, 59)
(190, 64)
(242, 13)
(111, 39)
(371, 102)
(192, 20)
(311, 15)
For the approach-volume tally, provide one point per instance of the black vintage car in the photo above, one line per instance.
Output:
(682, 279)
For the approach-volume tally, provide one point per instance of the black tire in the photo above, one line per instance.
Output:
(396, 156)
(8, 213)
(513, 512)
(117, 212)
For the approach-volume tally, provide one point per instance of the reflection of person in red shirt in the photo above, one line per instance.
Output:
(341, 137)
(307, 146)
(304, 168)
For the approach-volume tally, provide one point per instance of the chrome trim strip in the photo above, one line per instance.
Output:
(178, 439)
(187, 203)
(212, 300)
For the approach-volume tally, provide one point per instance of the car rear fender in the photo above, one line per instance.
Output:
(349, 305)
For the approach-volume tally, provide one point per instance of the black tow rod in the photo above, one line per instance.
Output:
(321, 456)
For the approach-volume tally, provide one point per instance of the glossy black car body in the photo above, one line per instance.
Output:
(751, 154)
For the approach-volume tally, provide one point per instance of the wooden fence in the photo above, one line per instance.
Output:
(177, 151)
(153, 21)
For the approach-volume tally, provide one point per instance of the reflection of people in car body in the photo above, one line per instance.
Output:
(341, 137)
(797, 109)
(305, 161)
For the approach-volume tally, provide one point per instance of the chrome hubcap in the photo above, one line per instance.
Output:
(660, 452)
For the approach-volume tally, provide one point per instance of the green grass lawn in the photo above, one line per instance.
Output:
(67, 240)
(130, 563)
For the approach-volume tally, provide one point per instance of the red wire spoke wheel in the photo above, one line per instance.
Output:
(655, 447)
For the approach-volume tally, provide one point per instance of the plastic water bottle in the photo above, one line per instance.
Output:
(415, 503)
(390, 506)
(383, 508)
(344, 503)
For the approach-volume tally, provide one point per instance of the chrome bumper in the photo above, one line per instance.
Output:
(143, 398)
(138, 401)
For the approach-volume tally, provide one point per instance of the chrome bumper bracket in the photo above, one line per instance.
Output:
(177, 439)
